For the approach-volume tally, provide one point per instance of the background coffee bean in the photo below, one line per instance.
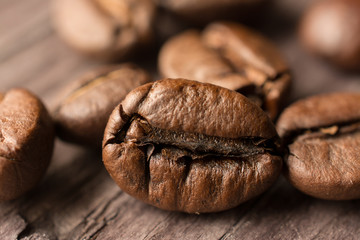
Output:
(331, 29)
(187, 146)
(26, 142)
(232, 56)
(323, 136)
(83, 111)
(109, 29)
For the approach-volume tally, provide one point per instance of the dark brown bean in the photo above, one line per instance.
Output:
(108, 29)
(331, 29)
(26, 142)
(188, 146)
(232, 56)
(323, 136)
(85, 107)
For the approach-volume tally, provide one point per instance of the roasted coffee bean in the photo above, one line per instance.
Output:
(188, 146)
(232, 56)
(323, 137)
(202, 11)
(108, 29)
(331, 29)
(86, 105)
(26, 142)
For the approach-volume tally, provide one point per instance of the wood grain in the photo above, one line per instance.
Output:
(78, 200)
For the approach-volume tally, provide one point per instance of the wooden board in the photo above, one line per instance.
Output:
(78, 200)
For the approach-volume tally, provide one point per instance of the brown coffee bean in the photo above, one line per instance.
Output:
(331, 29)
(26, 142)
(109, 29)
(232, 56)
(323, 136)
(85, 107)
(187, 146)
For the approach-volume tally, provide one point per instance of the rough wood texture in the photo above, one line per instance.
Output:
(78, 200)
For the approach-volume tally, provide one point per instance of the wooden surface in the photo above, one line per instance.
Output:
(78, 200)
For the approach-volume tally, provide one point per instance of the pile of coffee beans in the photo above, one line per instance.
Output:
(208, 136)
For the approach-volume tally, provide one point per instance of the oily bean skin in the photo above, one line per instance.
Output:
(26, 142)
(83, 111)
(187, 146)
(331, 29)
(231, 56)
(323, 137)
(106, 29)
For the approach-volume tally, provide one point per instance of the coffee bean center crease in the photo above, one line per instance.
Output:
(140, 132)
(332, 131)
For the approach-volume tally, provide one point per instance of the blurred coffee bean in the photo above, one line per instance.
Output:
(107, 29)
(84, 109)
(331, 29)
(232, 56)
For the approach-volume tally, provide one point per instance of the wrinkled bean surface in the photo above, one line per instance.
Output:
(323, 137)
(187, 146)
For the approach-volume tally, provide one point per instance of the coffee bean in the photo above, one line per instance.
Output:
(323, 137)
(84, 109)
(26, 142)
(187, 146)
(331, 29)
(232, 56)
(108, 29)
